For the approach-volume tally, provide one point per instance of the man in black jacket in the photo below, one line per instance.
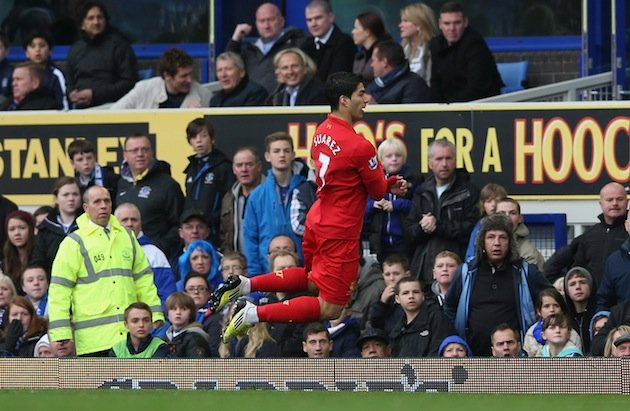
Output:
(258, 56)
(462, 66)
(443, 211)
(591, 249)
(298, 86)
(331, 49)
(28, 90)
(101, 66)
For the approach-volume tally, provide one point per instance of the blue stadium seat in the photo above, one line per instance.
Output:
(148, 73)
(514, 75)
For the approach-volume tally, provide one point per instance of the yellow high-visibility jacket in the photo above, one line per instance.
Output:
(94, 279)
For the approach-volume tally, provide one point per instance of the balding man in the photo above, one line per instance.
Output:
(258, 56)
(99, 270)
(129, 216)
(591, 249)
(28, 90)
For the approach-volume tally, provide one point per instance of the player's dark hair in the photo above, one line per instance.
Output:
(340, 84)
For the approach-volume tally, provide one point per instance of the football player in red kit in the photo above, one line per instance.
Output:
(347, 171)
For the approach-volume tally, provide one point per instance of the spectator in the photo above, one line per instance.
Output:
(369, 28)
(556, 331)
(581, 297)
(622, 345)
(598, 322)
(417, 27)
(18, 248)
(233, 263)
(192, 226)
(526, 248)
(444, 268)
(80, 292)
(40, 215)
(344, 331)
(6, 206)
(257, 343)
(6, 72)
(38, 46)
(42, 348)
(462, 66)
(24, 330)
(208, 174)
(393, 82)
(549, 302)
(147, 183)
(385, 313)
(506, 342)
(385, 218)
(489, 197)
(591, 249)
(316, 341)
(423, 327)
(367, 290)
(54, 228)
(101, 66)
(201, 257)
(247, 169)
(496, 287)
(259, 226)
(297, 84)
(7, 293)
(185, 336)
(29, 92)
(374, 343)
(237, 89)
(619, 315)
(258, 56)
(139, 342)
(454, 346)
(34, 282)
(197, 287)
(615, 286)
(63, 349)
(442, 211)
(173, 88)
(617, 334)
(331, 49)
(87, 171)
(163, 278)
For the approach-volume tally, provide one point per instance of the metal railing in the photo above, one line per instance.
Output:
(591, 88)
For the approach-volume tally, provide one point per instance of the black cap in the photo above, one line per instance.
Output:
(623, 339)
(372, 334)
(193, 212)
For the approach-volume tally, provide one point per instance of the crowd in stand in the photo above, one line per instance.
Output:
(126, 265)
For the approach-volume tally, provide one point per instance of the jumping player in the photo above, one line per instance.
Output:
(347, 170)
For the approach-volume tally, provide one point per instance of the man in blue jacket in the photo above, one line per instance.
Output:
(268, 207)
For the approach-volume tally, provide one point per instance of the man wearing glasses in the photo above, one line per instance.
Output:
(147, 183)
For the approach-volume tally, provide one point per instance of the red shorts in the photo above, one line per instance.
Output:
(333, 266)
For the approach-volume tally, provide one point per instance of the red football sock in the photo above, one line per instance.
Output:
(295, 310)
(290, 279)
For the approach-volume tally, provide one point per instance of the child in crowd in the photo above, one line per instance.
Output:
(38, 47)
(423, 327)
(24, 330)
(208, 175)
(385, 218)
(87, 171)
(446, 263)
(35, 286)
(549, 302)
(185, 337)
(489, 197)
(385, 313)
(18, 247)
(556, 330)
(6, 73)
(598, 321)
(139, 342)
(454, 346)
(233, 263)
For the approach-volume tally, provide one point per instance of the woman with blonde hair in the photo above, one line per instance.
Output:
(418, 26)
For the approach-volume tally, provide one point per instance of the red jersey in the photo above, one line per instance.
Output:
(347, 171)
